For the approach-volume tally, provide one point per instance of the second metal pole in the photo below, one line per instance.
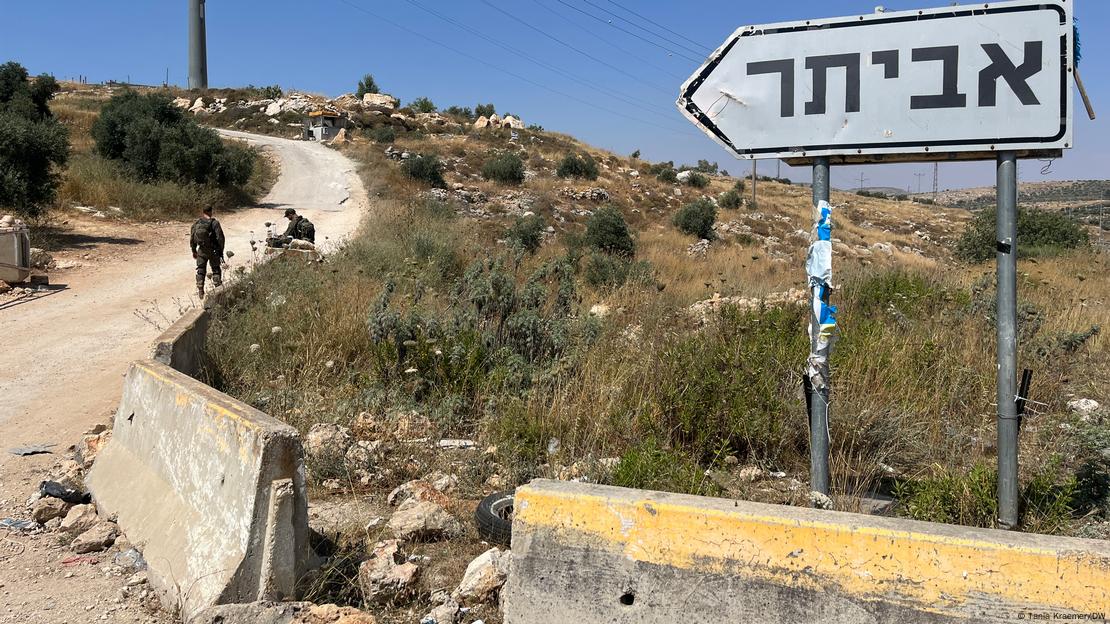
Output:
(819, 399)
(1006, 255)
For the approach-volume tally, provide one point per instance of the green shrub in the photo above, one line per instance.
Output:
(668, 175)
(696, 218)
(730, 200)
(462, 113)
(423, 105)
(366, 85)
(635, 155)
(739, 187)
(971, 499)
(485, 110)
(506, 168)
(527, 233)
(650, 465)
(156, 141)
(603, 270)
(575, 166)
(1039, 232)
(384, 134)
(697, 180)
(32, 143)
(426, 169)
(607, 231)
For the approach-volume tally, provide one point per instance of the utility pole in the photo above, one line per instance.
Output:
(919, 176)
(861, 181)
(198, 46)
(1006, 255)
(936, 180)
(778, 169)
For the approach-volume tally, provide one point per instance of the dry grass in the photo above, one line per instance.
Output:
(913, 371)
(90, 180)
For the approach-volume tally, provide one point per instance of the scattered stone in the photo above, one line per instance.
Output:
(703, 309)
(750, 473)
(41, 260)
(457, 444)
(46, 509)
(90, 446)
(79, 519)
(431, 488)
(99, 537)
(512, 122)
(282, 613)
(445, 613)
(1083, 407)
(387, 574)
(380, 100)
(698, 249)
(819, 500)
(362, 456)
(684, 176)
(484, 577)
(327, 443)
(599, 310)
(483, 122)
(424, 521)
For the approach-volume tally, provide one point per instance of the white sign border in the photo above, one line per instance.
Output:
(970, 149)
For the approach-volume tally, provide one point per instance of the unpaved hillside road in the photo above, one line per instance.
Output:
(62, 360)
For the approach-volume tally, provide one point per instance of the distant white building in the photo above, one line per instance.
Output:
(324, 125)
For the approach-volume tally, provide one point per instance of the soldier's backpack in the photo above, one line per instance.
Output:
(203, 234)
(306, 231)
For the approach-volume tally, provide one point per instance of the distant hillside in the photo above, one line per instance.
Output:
(1065, 195)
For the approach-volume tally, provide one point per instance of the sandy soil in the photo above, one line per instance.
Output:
(65, 351)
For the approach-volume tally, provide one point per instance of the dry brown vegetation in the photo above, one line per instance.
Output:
(95, 182)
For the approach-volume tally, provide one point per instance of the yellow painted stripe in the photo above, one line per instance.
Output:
(932, 571)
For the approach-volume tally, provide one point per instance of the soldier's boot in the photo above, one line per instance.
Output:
(217, 280)
(200, 287)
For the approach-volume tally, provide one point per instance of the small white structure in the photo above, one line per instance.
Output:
(15, 250)
(324, 125)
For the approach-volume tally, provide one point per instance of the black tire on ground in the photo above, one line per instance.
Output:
(494, 518)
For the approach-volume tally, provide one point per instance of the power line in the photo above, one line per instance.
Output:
(639, 57)
(509, 14)
(653, 34)
(638, 104)
(626, 31)
(476, 59)
(657, 24)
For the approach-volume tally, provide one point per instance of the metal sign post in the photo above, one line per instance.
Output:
(978, 82)
(1006, 230)
(818, 365)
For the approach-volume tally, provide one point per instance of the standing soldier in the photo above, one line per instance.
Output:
(299, 228)
(206, 239)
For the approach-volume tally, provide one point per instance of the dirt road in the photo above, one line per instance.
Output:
(63, 355)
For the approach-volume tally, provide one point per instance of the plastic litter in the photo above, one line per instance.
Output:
(32, 449)
(14, 524)
(131, 559)
(70, 495)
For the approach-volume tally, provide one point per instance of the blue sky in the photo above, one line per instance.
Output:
(554, 63)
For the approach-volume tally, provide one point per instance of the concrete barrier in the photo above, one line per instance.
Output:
(211, 490)
(181, 347)
(585, 553)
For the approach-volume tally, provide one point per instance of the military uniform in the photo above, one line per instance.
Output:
(206, 240)
(300, 228)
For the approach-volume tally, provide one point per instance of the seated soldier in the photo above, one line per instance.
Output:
(299, 228)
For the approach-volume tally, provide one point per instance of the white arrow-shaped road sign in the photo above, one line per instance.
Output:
(958, 82)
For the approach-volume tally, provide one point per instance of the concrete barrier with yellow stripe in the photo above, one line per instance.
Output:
(586, 553)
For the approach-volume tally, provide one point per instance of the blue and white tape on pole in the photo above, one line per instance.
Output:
(823, 322)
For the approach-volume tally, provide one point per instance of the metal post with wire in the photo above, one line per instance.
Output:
(1006, 255)
(819, 393)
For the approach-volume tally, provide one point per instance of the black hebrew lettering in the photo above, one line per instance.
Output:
(820, 66)
(785, 68)
(1017, 77)
(950, 97)
(889, 60)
